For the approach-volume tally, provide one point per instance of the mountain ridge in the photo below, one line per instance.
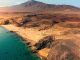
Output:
(36, 6)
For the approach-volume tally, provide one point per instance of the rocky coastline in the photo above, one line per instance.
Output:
(34, 46)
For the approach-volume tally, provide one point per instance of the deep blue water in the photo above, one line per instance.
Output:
(12, 47)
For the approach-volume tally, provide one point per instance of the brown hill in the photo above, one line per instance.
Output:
(65, 50)
(36, 6)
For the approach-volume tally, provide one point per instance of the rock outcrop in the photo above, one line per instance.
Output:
(44, 43)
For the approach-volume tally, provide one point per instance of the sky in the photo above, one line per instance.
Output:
(15, 2)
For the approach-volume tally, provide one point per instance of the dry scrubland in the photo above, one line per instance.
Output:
(48, 35)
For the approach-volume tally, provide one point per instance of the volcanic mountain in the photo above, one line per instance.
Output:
(36, 6)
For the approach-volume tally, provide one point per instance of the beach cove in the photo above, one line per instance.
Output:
(13, 48)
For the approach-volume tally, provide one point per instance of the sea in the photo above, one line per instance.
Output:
(13, 48)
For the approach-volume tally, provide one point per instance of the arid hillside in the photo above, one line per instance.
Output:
(37, 20)
(43, 32)
(51, 31)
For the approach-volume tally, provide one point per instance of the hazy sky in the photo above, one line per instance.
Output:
(15, 2)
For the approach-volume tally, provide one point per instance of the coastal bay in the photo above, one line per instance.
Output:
(13, 48)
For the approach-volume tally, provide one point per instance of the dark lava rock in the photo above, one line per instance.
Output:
(24, 21)
(6, 22)
(64, 50)
(45, 42)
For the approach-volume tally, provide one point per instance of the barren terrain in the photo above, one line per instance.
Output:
(49, 30)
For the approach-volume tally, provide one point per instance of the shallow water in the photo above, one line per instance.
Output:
(12, 47)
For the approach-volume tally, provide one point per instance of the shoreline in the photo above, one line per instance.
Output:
(27, 42)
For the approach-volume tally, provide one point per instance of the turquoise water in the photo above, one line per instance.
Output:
(12, 47)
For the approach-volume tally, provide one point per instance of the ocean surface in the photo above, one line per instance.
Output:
(12, 47)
